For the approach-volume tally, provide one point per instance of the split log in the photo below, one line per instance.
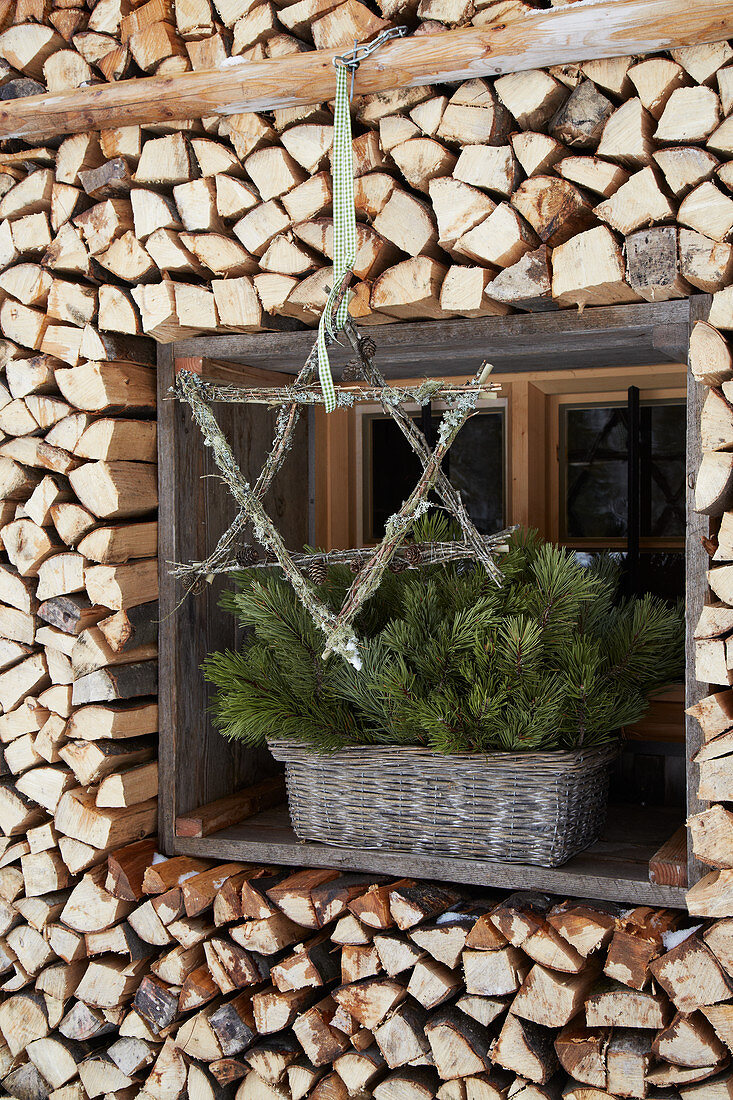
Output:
(550, 998)
(652, 264)
(536, 152)
(708, 211)
(321, 1042)
(475, 116)
(627, 135)
(115, 489)
(712, 836)
(580, 121)
(691, 975)
(710, 357)
(712, 896)
(690, 115)
(638, 202)
(589, 270)
(526, 1049)
(402, 1036)
(628, 1061)
(554, 208)
(458, 208)
(689, 1040)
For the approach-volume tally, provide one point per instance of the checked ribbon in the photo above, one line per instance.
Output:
(344, 231)
(336, 309)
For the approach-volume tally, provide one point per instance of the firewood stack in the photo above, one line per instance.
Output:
(122, 973)
(711, 362)
(593, 184)
(166, 978)
(78, 648)
(64, 45)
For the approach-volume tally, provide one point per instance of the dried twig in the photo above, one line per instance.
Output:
(412, 555)
(346, 396)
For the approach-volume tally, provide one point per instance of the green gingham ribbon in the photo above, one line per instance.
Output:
(344, 215)
(344, 231)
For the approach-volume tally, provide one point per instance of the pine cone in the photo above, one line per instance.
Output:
(398, 565)
(247, 555)
(318, 571)
(355, 565)
(412, 554)
(351, 372)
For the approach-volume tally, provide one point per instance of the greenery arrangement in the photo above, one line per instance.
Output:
(549, 660)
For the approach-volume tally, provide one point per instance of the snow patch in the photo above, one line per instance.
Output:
(187, 876)
(672, 939)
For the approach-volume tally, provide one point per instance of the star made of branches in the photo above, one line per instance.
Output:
(460, 402)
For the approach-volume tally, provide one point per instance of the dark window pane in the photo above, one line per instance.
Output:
(595, 471)
(395, 471)
(475, 465)
(663, 470)
(596, 491)
(661, 572)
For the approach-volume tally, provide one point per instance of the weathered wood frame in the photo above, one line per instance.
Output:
(598, 338)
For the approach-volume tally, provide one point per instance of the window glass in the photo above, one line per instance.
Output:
(475, 465)
(594, 495)
(594, 471)
(660, 572)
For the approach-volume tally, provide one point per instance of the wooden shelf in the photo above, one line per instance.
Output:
(616, 868)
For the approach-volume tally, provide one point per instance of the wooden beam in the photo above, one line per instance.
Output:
(598, 338)
(582, 31)
(335, 482)
(697, 593)
(528, 494)
(668, 865)
(225, 373)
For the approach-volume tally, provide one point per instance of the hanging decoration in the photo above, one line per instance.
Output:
(460, 403)
(394, 551)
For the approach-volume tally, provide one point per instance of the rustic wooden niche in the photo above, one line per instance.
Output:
(197, 765)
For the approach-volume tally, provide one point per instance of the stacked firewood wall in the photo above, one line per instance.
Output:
(711, 830)
(174, 978)
(121, 972)
(78, 672)
(584, 185)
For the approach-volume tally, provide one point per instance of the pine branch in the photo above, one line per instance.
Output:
(450, 661)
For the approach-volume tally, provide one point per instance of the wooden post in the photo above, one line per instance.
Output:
(582, 31)
(527, 505)
(696, 590)
(335, 478)
(168, 631)
(197, 766)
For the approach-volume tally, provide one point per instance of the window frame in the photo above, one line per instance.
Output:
(556, 404)
(529, 350)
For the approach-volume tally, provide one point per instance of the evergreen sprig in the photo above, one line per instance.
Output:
(549, 660)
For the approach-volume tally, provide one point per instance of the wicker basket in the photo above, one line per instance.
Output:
(539, 808)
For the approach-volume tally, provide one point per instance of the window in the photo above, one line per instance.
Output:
(597, 465)
(475, 463)
(542, 362)
(557, 454)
